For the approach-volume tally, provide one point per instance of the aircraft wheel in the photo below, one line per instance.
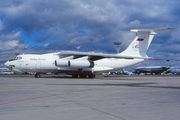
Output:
(91, 76)
(37, 75)
(83, 76)
(74, 76)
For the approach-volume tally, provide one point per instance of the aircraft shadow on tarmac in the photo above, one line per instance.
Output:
(148, 85)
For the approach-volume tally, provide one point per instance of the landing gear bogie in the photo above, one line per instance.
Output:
(84, 76)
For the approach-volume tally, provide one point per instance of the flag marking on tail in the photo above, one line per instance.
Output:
(140, 39)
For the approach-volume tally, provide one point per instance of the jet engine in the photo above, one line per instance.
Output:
(74, 63)
(81, 64)
(61, 63)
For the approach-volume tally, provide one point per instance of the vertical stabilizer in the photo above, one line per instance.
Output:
(141, 42)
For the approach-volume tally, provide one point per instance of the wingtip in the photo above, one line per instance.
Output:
(155, 58)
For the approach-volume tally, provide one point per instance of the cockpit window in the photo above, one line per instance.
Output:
(16, 58)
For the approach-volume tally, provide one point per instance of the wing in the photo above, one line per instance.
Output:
(95, 56)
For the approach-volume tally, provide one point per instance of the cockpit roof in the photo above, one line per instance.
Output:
(16, 58)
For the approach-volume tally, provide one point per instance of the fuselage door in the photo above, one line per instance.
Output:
(38, 64)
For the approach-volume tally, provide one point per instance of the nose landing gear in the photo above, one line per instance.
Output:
(37, 75)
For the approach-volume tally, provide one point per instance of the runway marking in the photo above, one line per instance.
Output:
(46, 96)
(95, 109)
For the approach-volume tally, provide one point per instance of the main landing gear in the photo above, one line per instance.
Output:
(37, 75)
(84, 76)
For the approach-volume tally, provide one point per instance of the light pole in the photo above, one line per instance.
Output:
(117, 45)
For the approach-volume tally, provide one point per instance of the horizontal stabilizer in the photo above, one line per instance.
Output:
(155, 58)
(152, 31)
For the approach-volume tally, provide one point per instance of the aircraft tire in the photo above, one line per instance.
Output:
(74, 76)
(91, 76)
(83, 76)
(37, 75)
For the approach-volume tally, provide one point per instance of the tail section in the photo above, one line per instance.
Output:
(141, 42)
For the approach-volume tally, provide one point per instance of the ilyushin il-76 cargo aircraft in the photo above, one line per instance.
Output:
(85, 64)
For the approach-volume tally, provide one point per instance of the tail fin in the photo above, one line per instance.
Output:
(141, 42)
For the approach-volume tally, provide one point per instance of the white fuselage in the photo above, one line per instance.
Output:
(46, 63)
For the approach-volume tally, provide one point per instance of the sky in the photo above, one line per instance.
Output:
(45, 26)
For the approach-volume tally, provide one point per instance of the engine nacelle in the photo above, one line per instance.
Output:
(80, 64)
(61, 63)
(74, 63)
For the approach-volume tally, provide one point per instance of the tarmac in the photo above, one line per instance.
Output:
(102, 98)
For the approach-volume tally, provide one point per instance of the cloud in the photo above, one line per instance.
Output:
(10, 45)
(43, 25)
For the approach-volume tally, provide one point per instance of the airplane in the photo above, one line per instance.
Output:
(85, 64)
(152, 69)
(172, 71)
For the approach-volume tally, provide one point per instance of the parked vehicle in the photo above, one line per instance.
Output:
(5, 71)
